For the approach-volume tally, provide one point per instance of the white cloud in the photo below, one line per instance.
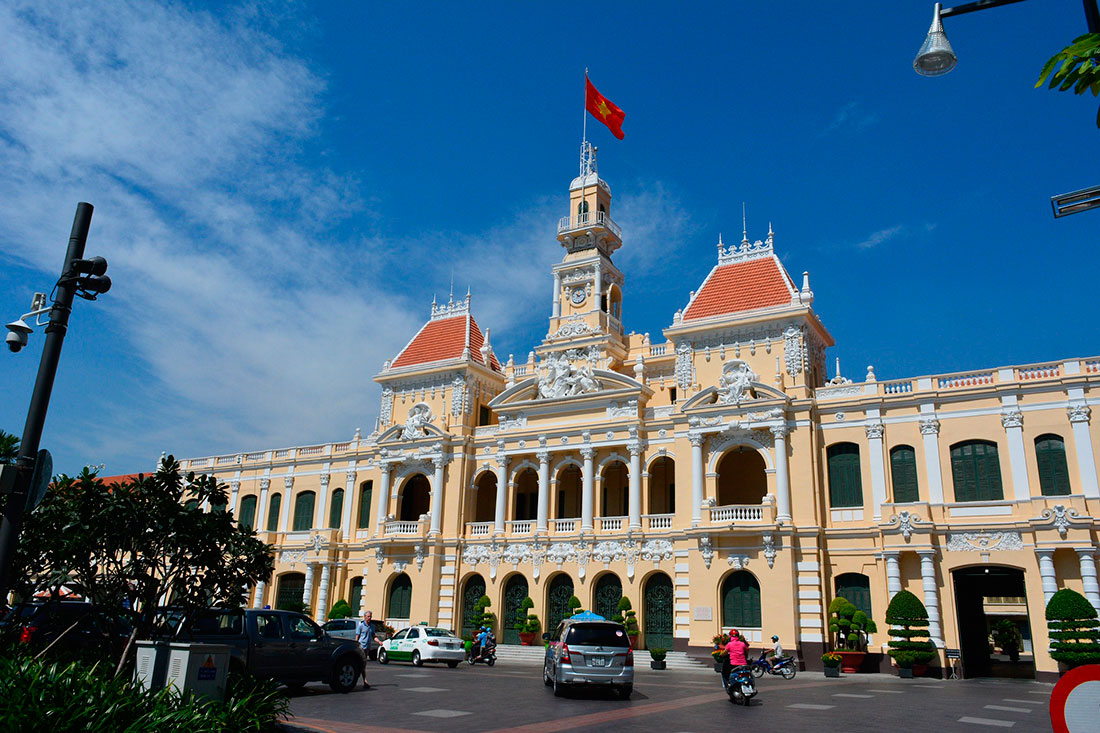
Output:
(881, 236)
(851, 116)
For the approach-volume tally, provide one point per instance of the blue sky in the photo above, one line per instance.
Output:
(280, 189)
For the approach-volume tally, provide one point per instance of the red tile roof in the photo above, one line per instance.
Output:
(741, 286)
(445, 339)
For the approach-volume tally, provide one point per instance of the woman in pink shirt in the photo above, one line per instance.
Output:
(737, 648)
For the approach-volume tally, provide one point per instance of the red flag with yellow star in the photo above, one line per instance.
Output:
(603, 109)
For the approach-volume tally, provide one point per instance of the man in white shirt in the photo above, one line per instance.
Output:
(364, 634)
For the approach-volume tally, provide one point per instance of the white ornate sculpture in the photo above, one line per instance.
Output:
(769, 550)
(419, 416)
(738, 562)
(984, 541)
(562, 379)
(792, 350)
(706, 550)
(905, 521)
(1060, 517)
(736, 381)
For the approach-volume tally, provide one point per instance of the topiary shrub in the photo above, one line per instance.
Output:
(483, 617)
(340, 609)
(1073, 627)
(849, 625)
(574, 605)
(523, 619)
(658, 654)
(907, 647)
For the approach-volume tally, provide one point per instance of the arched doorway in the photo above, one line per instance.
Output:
(558, 593)
(400, 601)
(472, 592)
(614, 479)
(662, 486)
(525, 507)
(657, 621)
(609, 590)
(414, 499)
(741, 601)
(292, 588)
(569, 493)
(741, 477)
(985, 597)
(515, 590)
(485, 498)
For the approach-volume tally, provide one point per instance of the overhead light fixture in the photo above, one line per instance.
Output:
(936, 56)
(1075, 201)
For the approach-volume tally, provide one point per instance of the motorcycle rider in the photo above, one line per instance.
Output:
(736, 649)
(775, 656)
(483, 642)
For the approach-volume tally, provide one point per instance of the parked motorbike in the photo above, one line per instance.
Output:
(784, 666)
(741, 685)
(486, 654)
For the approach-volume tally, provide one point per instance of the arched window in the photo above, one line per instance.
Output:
(845, 484)
(569, 492)
(273, 512)
(355, 596)
(527, 495)
(414, 499)
(365, 491)
(903, 471)
(303, 510)
(976, 471)
(741, 600)
(608, 593)
(614, 489)
(247, 518)
(856, 587)
(485, 498)
(662, 486)
(336, 511)
(400, 604)
(582, 212)
(292, 588)
(1050, 454)
(741, 477)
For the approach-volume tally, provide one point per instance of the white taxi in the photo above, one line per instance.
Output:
(420, 644)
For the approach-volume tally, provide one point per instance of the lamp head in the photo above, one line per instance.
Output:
(936, 57)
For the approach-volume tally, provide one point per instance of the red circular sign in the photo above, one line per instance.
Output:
(1075, 702)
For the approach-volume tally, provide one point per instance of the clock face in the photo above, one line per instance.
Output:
(577, 296)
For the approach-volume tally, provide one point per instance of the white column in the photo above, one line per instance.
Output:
(320, 518)
(363, 596)
(383, 501)
(234, 490)
(437, 496)
(544, 490)
(557, 295)
(1086, 556)
(587, 489)
(931, 594)
(696, 479)
(1082, 444)
(930, 429)
(634, 498)
(893, 574)
(258, 598)
(878, 466)
(284, 514)
(307, 594)
(349, 502)
(322, 593)
(598, 287)
(261, 506)
(1013, 421)
(782, 475)
(1047, 574)
(502, 493)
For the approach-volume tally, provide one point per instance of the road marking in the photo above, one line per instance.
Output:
(810, 706)
(443, 713)
(1026, 702)
(414, 674)
(1039, 692)
(933, 687)
(425, 689)
(890, 692)
(989, 721)
(849, 694)
(1008, 709)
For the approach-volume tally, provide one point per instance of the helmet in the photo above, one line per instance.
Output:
(775, 638)
(734, 633)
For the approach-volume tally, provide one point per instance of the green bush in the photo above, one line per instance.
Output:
(574, 605)
(849, 625)
(907, 647)
(340, 609)
(658, 654)
(523, 622)
(481, 617)
(1073, 626)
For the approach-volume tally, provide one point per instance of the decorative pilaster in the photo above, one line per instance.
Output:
(931, 594)
(261, 505)
(363, 594)
(893, 574)
(782, 474)
(1082, 443)
(587, 488)
(288, 499)
(320, 518)
(930, 429)
(234, 490)
(696, 478)
(322, 594)
(502, 492)
(349, 502)
(1047, 573)
(258, 598)
(557, 296)
(1013, 421)
(634, 497)
(307, 594)
(437, 496)
(1087, 557)
(383, 501)
(543, 515)
(875, 432)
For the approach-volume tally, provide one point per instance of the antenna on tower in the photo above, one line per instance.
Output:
(744, 225)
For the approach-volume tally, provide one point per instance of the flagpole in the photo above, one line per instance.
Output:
(584, 110)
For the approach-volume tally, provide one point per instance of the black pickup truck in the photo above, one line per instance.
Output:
(282, 645)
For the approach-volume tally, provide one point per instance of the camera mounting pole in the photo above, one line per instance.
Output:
(16, 504)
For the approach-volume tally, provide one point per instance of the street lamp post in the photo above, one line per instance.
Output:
(78, 277)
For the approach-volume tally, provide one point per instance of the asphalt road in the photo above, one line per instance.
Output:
(513, 698)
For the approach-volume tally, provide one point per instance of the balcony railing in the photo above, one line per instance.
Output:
(402, 528)
(737, 513)
(565, 525)
(479, 529)
(585, 221)
(658, 521)
(524, 526)
(611, 524)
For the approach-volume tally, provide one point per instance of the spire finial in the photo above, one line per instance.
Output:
(744, 225)
(720, 245)
(452, 296)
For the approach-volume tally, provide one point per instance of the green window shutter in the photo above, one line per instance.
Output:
(364, 505)
(845, 482)
(273, 512)
(741, 601)
(336, 511)
(291, 593)
(400, 597)
(303, 511)
(247, 516)
(1050, 454)
(976, 471)
(903, 471)
(356, 595)
(856, 587)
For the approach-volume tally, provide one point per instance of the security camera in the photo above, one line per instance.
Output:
(17, 339)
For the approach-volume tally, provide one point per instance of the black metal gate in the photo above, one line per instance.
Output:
(609, 590)
(474, 590)
(658, 612)
(514, 593)
(557, 601)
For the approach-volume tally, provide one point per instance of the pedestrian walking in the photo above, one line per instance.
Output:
(364, 634)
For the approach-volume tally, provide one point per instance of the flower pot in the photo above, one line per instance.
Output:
(633, 641)
(656, 664)
(527, 638)
(832, 671)
(851, 661)
(906, 673)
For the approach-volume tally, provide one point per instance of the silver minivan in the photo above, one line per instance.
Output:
(589, 652)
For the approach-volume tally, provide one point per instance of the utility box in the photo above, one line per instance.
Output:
(151, 669)
(199, 668)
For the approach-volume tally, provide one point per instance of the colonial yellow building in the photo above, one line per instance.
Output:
(715, 475)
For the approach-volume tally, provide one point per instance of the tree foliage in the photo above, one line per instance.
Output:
(1073, 625)
(140, 541)
(9, 447)
(849, 625)
(911, 643)
(1076, 67)
(340, 609)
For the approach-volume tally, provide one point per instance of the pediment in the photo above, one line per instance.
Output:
(758, 394)
(395, 434)
(607, 384)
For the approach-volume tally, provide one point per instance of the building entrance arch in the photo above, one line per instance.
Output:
(988, 600)
(657, 618)
(558, 594)
(511, 610)
(472, 592)
(608, 593)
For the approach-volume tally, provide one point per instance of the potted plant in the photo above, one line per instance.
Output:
(528, 626)
(658, 658)
(340, 609)
(1073, 627)
(483, 617)
(574, 605)
(911, 646)
(832, 661)
(719, 654)
(627, 618)
(850, 627)
(1006, 635)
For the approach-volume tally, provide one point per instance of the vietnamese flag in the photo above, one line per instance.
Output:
(603, 109)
